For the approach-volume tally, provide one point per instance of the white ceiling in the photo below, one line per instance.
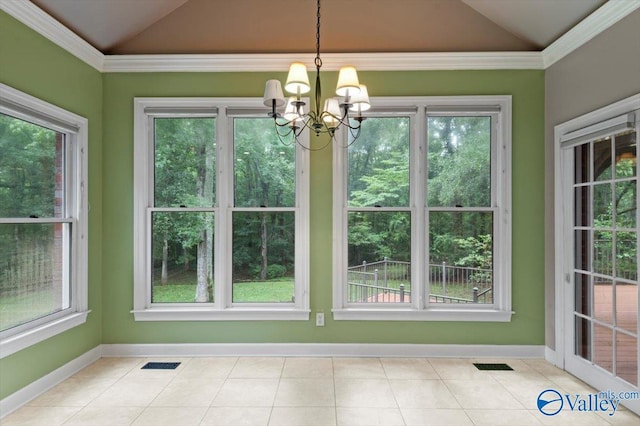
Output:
(109, 23)
(105, 23)
(538, 21)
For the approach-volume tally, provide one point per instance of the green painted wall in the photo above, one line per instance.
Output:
(527, 326)
(32, 64)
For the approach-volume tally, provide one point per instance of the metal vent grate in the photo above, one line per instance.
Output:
(492, 367)
(160, 366)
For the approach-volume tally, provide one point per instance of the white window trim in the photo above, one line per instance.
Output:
(221, 309)
(75, 127)
(419, 309)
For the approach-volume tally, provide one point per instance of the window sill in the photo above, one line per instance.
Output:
(230, 314)
(17, 342)
(474, 315)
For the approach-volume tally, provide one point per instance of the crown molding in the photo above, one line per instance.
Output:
(600, 20)
(330, 62)
(38, 20)
(41, 22)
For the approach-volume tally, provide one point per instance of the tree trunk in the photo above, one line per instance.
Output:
(263, 247)
(202, 292)
(165, 259)
(205, 192)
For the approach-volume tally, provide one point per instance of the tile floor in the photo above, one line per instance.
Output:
(308, 391)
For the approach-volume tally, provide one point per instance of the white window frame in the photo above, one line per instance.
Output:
(419, 309)
(224, 110)
(75, 129)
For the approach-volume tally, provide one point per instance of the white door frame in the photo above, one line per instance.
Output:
(563, 221)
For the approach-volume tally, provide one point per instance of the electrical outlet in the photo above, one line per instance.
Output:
(320, 319)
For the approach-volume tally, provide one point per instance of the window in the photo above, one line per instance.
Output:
(221, 228)
(43, 220)
(421, 211)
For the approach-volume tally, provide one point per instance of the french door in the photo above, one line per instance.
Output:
(600, 240)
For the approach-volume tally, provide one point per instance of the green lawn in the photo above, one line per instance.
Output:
(19, 309)
(254, 291)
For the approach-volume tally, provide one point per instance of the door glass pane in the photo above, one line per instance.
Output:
(461, 257)
(582, 206)
(626, 162)
(602, 202)
(582, 172)
(378, 173)
(583, 337)
(603, 355)
(602, 159)
(459, 161)
(627, 306)
(625, 198)
(33, 278)
(263, 257)
(185, 162)
(379, 269)
(603, 252)
(182, 250)
(582, 294)
(31, 170)
(627, 357)
(264, 167)
(626, 255)
(582, 254)
(603, 299)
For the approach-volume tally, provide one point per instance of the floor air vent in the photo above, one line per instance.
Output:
(160, 366)
(492, 367)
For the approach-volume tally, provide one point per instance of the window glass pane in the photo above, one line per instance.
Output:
(379, 268)
(33, 276)
(459, 162)
(185, 162)
(31, 170)
(263, 257)
(626, 161)
(378, 172)
(264, 167)
(461, 257)
(602, 159)
(182, 257)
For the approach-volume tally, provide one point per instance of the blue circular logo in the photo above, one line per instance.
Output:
(550, 402)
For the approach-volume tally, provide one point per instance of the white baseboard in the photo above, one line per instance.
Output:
(33, 390)
(324, 349)
(43, 384)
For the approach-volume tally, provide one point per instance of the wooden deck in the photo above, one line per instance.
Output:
(626, 318)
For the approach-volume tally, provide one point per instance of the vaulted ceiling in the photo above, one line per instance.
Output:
(288, 26)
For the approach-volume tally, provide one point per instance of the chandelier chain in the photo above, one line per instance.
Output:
(318, 61)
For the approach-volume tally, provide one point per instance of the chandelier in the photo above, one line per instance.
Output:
(343, 110)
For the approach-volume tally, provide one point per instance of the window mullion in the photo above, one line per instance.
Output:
(224, 219)
(418, 182)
